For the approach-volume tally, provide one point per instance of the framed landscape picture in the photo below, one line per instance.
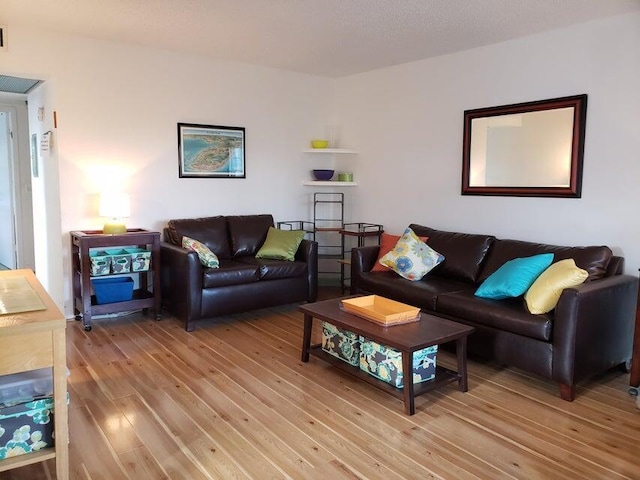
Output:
(210, 151)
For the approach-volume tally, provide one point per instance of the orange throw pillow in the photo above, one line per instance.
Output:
(387, 242)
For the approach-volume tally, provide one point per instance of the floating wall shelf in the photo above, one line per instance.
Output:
(330, 150)
(329, 183)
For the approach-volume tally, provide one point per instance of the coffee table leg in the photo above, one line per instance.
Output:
(306, 337)
(461, 352)
(407, 371)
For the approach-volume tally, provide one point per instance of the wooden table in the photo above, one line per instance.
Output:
(406, 338)
(32, 336)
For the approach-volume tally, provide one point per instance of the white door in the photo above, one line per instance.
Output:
(7, 206)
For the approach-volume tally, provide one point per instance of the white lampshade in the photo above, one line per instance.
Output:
(114, 205)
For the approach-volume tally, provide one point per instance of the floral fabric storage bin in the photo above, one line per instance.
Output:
(26, 427)
(120, 260)
(140, 259)
(385, 363)
(341, 343)
(100, 263)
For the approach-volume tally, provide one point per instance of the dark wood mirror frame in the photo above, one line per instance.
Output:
(574, 187)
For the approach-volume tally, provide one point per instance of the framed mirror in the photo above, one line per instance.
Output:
(531, 149)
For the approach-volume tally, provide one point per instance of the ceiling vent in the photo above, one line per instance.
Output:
(17, 84)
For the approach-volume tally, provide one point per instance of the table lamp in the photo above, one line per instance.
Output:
(114, 205)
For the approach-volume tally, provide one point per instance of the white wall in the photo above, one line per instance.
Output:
(407, 123)
(47, 229)
(117, 109)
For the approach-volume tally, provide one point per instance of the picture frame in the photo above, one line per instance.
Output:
(211, 151)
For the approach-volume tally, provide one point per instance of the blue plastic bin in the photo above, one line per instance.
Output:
(113, 289)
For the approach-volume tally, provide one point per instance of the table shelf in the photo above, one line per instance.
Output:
(443, 375)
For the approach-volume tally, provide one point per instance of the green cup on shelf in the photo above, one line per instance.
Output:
(345, 177)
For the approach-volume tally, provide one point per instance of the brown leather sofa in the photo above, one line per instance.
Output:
(590, 330)
(242, 282)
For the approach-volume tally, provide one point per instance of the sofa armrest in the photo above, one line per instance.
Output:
(181, 278)
(593, 328)
(362, 260)
(308, 253)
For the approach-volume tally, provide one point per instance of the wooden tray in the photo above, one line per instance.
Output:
(381, 310)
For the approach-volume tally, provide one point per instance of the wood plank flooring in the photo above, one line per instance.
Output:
(232, 400)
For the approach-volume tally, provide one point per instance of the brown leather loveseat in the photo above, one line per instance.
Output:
(242, 282)
(590, 330)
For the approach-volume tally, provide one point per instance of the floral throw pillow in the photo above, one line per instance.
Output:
(411, 258)
(207, 257)
(387, 242)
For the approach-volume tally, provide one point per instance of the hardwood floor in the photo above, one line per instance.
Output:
(233, 400)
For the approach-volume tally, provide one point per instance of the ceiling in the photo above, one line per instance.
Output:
(323, 37)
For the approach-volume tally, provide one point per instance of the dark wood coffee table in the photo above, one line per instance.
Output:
(407, 338)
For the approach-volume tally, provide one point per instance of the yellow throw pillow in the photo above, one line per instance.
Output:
(543, 295)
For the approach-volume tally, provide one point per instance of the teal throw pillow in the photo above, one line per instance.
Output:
(514, 277)
(411, 258)
(207, 257)
(281, 244)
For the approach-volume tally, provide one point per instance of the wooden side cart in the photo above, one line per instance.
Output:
(147, 296)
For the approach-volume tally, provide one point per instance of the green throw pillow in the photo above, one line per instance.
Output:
(207, 257)
(281, 244)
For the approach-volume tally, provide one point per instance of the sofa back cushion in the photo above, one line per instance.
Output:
(212, 231)
(247, 233)
(463, 252)
(592, 259)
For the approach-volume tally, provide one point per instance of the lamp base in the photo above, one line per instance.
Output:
(114, 227)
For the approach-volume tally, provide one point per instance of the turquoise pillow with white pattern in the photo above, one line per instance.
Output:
(411, 257)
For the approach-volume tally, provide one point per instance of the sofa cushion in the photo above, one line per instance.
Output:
(229, 273)
(270, 269)
(514, 277)
(463, 252)
(212, 231)
(509, 314)
(411, 258)
(247, 233)
(281, 244)
(387, 242)
(593, 259)
(420, 294)
(206, 256)
(545, 292)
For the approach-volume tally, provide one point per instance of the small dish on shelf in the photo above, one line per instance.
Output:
(319, 143)
(323, 175)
